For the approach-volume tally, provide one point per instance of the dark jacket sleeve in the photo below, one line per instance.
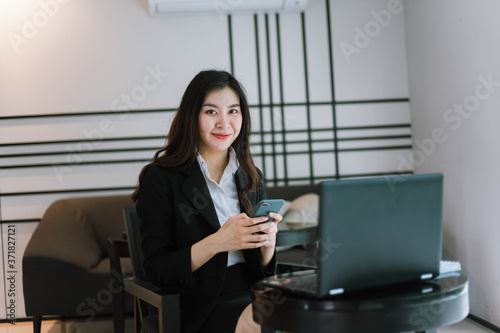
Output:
(165, 262)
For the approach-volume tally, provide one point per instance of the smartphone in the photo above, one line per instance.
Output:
(264, 207)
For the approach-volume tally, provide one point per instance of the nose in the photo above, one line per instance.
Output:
(223, 121)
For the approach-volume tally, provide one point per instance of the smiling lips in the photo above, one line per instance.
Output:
(222, 136)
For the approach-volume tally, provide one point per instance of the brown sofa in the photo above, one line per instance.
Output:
(66, 270)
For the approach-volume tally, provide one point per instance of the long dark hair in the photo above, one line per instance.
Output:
(183, 139)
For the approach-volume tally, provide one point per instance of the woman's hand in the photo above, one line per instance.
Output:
(272, 230)
(238, 233)
(242, 232)
(267, 250)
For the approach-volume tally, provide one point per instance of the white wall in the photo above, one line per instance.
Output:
(81, 56)
(453, 51)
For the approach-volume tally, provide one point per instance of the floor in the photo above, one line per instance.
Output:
(102, 325)
(106, 325)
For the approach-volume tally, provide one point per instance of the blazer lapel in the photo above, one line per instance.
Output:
(196, 190)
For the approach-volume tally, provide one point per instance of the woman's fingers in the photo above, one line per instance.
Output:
(277, 217)
(242, 232)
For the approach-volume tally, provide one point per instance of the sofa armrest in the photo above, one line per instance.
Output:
(65, 234)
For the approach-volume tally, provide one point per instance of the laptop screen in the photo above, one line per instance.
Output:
(378, 231)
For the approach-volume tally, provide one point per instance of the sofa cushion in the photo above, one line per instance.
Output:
(76, 230)
(302, 212)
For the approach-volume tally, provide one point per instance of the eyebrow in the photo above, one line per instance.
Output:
(215, 106)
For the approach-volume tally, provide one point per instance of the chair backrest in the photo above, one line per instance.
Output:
(132, 225)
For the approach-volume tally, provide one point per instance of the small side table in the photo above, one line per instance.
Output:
(118, 248)
(416, 307)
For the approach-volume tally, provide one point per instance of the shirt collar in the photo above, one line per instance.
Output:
(232, 166)
(233, 163)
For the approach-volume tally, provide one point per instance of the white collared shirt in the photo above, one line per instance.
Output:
(225, 197)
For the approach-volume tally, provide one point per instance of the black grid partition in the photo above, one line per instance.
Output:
(294, 142)
(274, 144)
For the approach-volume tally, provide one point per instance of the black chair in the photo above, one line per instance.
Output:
(145, 293)
(167, 316)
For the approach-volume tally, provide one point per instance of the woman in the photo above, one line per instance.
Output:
(194, 200)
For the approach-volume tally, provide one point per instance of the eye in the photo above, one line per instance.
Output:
(211, 112)
(233, 111)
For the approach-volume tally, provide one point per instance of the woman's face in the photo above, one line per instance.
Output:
(219, 121)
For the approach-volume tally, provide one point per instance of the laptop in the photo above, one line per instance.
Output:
(373, 232)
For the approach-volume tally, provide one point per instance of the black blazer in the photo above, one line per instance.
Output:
(176, 211)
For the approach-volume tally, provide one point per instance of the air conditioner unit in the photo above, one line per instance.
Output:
(221, 7)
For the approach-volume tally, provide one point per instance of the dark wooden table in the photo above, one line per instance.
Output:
(415, 307)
